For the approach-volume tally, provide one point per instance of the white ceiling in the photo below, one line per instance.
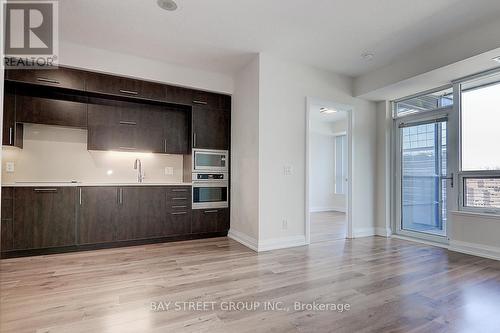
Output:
(222, 35)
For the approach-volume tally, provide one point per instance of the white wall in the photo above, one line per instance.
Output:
(245, 155)
(52, 153)
(84, 57)
(284, 87)
(322, 167)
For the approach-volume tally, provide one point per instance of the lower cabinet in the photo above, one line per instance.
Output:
(44, 217)
(210, 220)
(52, 217)
(97, 214)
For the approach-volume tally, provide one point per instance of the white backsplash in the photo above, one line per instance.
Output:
(52, 153)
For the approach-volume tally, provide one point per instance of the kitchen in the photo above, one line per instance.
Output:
(95, 161)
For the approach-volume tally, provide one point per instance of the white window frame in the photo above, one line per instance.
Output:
(462, 175)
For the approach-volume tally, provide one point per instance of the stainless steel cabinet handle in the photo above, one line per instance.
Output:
(165, 145)
(179, 190)
(11, 131)
(210, 211)
(194, 139)
(43, 79)
(41, 190)
(179, 198)
(179, 213)
(127, 148)
(80, 196)
(121, 196)
(124, 122)
(129, 92)
(200, 102)
(176, 207)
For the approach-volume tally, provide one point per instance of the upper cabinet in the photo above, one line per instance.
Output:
(120, 113)
(211, 121)
(62, 77)
(121, 86)
(12, 131)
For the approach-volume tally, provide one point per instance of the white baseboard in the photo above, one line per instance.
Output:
(363, 232)
(281, 243)
(327, 209)
(479, 250)
(243, 239)
(384, 232)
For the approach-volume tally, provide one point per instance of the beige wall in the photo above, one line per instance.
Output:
(53, 153)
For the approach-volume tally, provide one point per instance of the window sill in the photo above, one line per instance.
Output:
(475, 214)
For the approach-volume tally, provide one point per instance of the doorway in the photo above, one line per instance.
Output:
(328, 156)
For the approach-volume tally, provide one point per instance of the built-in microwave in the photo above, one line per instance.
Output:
(210, 190)
(208, 160)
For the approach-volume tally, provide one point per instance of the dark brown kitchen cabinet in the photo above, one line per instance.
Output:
(128, 126)
(178, 214)
(97, 214)
(121, 86)
(211, 128)
(179, 95)
(141, 213)
(210, 220)
(12, 131)
(59, 77)
(7, 218)
(44, 217)
(43, 106)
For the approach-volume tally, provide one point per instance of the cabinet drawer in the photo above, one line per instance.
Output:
(60, 77)
(179, 95)
(178, 223)
(120, 86)
(210, 220)
(209, 100)
(50, 111)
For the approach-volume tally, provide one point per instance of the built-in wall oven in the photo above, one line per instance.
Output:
(208, 160)
(210, 190)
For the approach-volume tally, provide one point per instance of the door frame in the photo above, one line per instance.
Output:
(452, 163)
(349, 111)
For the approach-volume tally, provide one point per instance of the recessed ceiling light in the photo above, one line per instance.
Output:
(327, 111)
(368, 56)
(497, 59)
(169, 5)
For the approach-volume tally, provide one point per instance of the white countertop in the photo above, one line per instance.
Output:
(82, 184)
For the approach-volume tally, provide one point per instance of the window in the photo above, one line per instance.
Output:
(480, 136)
(340, 164)
(426, 102)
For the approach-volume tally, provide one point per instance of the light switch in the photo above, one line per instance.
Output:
(169, 171)
(9, 167)
(287, 170)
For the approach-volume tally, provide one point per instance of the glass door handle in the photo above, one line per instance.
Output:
(450, 178)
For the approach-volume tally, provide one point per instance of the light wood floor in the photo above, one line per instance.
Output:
(328, 226)
(391, 286)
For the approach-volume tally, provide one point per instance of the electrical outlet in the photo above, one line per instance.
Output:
(284, 224)
(287, 170)
(9, 167)
(169, 171)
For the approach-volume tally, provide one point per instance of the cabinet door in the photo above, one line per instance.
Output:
(51, 108)
(176, 131)
(179, 95)
(12, 132)
(211, 128)
(97, 214)
(178, 223)
(121, 86)
(109, 128)
(206, 220)
(7, 217)
(60, 77)
(44, 217)
(141, 212)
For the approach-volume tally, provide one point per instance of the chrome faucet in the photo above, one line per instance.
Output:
(138, 167)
